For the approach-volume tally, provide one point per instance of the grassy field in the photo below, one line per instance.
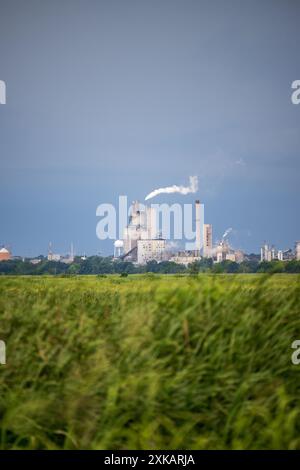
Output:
(150, 362)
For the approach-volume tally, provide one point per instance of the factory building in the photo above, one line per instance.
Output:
(222, 251)
(152, 249)
(225, 253)
(5, 254)
(207, 241)
(67, 259)
(235, 255)
(288, 255)
(268, 253)
(140, 242)
(52, 256)
(186, 257)
(230, 257)
(142, 226)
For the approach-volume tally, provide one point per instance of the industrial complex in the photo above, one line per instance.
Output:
(143, 242)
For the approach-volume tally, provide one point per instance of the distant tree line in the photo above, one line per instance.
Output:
(106, 265)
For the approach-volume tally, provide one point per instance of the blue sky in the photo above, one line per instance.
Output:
(120, 97)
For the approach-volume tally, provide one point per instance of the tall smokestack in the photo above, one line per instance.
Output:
(198, 230)
(151, 223)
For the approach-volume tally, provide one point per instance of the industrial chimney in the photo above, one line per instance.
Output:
(198, 230)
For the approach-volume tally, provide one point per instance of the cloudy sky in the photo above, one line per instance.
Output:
(120, 97)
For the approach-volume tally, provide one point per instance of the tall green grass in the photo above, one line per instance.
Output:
(150, 362)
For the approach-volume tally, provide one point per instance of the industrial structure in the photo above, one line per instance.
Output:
(52, 256)
(270, 253)
(142, 241)
(118, 248)
(207, 241)
(186, 257)
(224, 252)
(152, 249)
(68, 259)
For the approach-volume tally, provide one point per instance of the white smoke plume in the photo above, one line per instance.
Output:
(192, 188)
(226, 233)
